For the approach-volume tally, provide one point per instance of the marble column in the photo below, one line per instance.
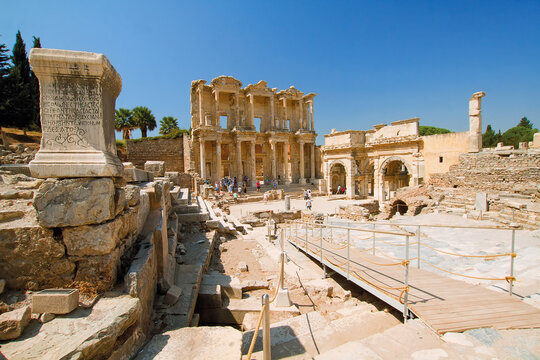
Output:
(252, 109)
(301, 109)
(239, 170)
(218, 159)
(237, 109)
(272, 120)
(349, 182)
(311, 116)
(201, 114)
(274, 167)
(286, 162)
(302, 177)
(285, 114)
(312, 161)
(218, 122)
(252, 164)
(203, 160)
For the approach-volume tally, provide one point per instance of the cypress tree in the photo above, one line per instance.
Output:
(20, 108)
(34, 88)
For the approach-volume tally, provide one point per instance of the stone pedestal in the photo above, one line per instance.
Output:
(287, 202)
(78, 91)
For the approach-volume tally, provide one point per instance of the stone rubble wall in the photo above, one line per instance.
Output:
(171, 151)
(74, 232)
(16, 154)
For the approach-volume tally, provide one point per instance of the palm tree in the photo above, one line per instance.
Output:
(123, 121)
(144, 119)
(168, 124)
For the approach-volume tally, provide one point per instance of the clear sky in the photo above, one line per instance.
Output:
(369, 62)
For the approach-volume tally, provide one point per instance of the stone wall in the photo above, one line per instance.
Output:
(171, 151)
(513, 171)
(441, 151)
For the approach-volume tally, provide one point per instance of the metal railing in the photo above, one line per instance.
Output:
(299, 233)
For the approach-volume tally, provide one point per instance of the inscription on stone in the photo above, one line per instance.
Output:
(69, 110)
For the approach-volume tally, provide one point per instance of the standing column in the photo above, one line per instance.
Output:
(218, 158)
(302, 178)
(272, 120)
(286, 161)
(311, 116)
(237, 109)
(350, 194)
(203, 161)
(252, 165)
(218, 122)
(252, 108)
(285, 114)
(201, 115)
(274, 167)
(239, 170)
(312, 161)
(301, 108)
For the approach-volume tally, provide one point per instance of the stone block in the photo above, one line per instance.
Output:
(75, 202)
(174, 177)
(155, 167)
(132, 175)
(133, 194)
(2, 285)
(98, 271)
(480, 202)
(9, 215)
(12, 323)
(242, 266)
(119, 200)
(95, 239)
(173, 294)
(46, 317)
(55, 301)
(78, 137)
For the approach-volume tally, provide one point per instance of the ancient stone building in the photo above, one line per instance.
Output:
(255, 131)
(379, 161)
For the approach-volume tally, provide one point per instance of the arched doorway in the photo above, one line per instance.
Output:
(395, 175)
(338, 176)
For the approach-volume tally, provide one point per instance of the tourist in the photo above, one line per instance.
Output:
(308, 204)
(305, 194)
(275, 184)
(245, 188)
(338, 189)
(221, 194)
(309, 193)
(265, 197)
(258, 186)
(239, 189)
(330, 193)
(235, 196)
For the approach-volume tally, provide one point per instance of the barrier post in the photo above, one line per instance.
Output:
(266, 328)
(511, 282)
(348, 252)
(321, 243)
(306, 233)
(418, 246)
(406, 296)
(373, 240)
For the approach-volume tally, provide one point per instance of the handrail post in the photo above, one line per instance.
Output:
(511, 282)
(321, 243)
(348, 252)
(266, 327)
(296, 232)
(374, 240)
(406, 296)
(418, 245)
(306, 233)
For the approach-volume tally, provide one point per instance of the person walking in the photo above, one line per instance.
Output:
(258, 186)
(308, 204)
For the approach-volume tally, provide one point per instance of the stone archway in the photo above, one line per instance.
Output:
(337, 176)
(395, 174)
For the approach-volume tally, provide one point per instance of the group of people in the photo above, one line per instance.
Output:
(230, 185)
(307, 198)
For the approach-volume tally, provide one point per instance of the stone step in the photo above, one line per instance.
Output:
(175, 192)
(186, 209)
(84, 333)
(230, 287)
(311, 334)
(205, 342)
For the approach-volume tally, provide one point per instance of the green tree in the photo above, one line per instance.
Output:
(123, 121)
(4, 85)
(19, 104)
(144, 119)
(517, 134)
(168, 124)
(432, 130)
(34, 88)
(525, 123)
(489, 138)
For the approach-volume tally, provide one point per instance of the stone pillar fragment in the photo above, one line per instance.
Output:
(475, 122)
(312, 161)
(78, 91)
(274, 167)
(203, 160)
(286, 161)
(253, 163)
(218, 159)
(239, 170)
(302, 176)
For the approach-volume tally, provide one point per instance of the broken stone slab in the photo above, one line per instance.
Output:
(207, 342)
(172, 296)
(75, 202)
(209, 297)
(78, 137)
(249, 285)
(16, 194)
(319, 286)
(134, 175)
(8, 215)
(55, 301)
(46, 317)
(231, 287)
(155, 167)
(84, 334)
(133, 194)
(12, 323)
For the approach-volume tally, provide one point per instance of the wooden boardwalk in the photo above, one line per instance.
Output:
(442, 303)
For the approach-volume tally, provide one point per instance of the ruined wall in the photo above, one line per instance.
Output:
(512, 171)
(171, 151)
(446, 146)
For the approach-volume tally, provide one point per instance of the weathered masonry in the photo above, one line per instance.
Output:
(255, 131)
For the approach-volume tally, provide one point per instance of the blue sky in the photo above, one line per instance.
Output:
(369, 62)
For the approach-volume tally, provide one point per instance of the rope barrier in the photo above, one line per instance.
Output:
(507, 278)
(255, 333)
(473, 256)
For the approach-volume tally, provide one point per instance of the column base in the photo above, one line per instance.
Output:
(302, 181)
(283, 299)
(51, 164)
